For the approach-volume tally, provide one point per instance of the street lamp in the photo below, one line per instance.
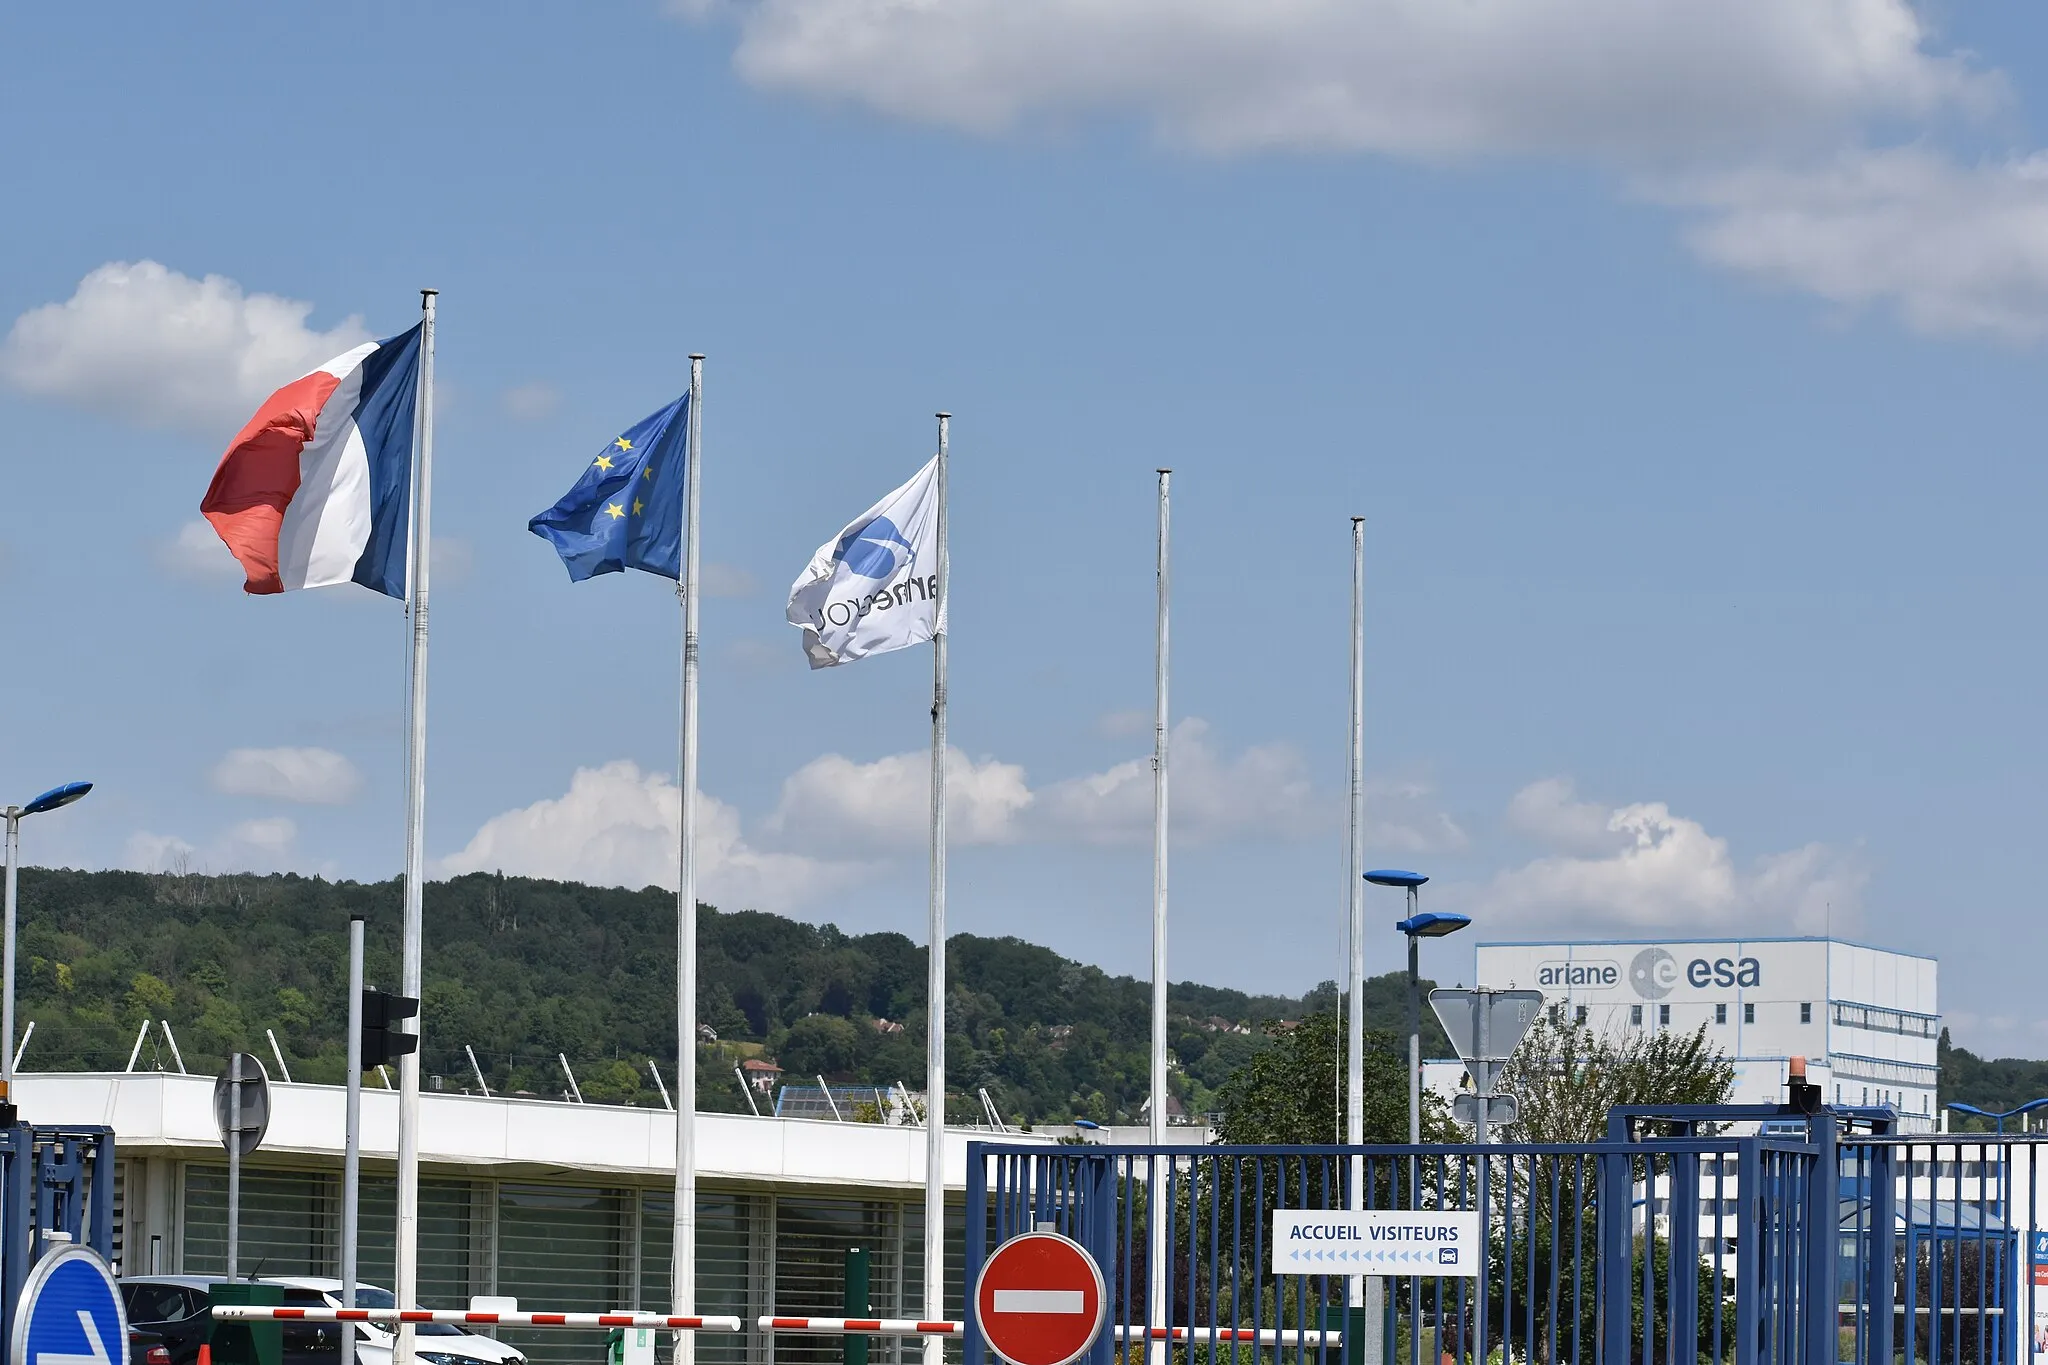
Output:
(1997, 1118)
(1417, 926)
(49, 800)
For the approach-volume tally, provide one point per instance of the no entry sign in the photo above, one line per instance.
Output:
(1040, 1300)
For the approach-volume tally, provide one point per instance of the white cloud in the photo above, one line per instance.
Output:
(835, 802)
(1952, 248)
(617, 826)
(1664, 871)
(1418, 78)
(197, 552)
(532, 402)
(1263, 792)
(310, 776)
(269, 844)
(142, 342)
(453, 559)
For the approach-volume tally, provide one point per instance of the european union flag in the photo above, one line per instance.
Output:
(626, 512)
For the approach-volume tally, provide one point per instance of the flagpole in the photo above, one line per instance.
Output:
(1354, 871)
(935, 960)
(408, 1249)
(1155, 1299)
(683, 1253)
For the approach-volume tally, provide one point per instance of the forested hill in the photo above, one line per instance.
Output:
(521, 970)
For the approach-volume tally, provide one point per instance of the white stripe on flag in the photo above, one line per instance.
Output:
(1041, 1301)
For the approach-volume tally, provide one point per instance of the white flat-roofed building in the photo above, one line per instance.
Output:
(1866, 1019)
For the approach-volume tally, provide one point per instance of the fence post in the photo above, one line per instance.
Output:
(1095, 1229)
(1684, 1239)
(1823, 1233)
(856, 1347)
(975, 1213)
(1878, 1288)
(1749, 1250)
(1616, 1283)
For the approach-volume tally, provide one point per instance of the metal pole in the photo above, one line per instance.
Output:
(7, 996)
(234, 1136)
(1156, 1213)
(935, 959)
(683, 1256)
(352, 1124)
(1354, 873)
(275, 1051)
(485, 1085)
(1481, 1004)
(408, 1259)
(1414, 1031)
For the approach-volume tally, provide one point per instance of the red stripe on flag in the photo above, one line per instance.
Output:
(259, 474)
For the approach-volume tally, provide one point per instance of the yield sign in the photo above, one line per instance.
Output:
(1040, 1300)
(1484, 1026)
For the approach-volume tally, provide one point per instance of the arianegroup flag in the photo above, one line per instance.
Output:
(875, 586)
(317, 488)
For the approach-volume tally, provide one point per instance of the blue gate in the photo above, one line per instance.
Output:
(1600, 1254)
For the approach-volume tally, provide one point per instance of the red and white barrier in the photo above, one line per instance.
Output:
(906, 1327)
(386, 1317)
(880, 1327)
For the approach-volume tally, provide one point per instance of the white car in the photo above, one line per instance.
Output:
(435, 1343)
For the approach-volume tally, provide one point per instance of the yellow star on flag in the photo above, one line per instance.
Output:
(623, 444)
(647, 473)
(637, 506)
(614, 511)
(604, 462)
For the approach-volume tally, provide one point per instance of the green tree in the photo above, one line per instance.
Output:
(1565, 1077)
(820, 1045)
(1293, 1093)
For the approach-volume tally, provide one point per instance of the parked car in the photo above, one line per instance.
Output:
(178, 1309)
(146, 1348)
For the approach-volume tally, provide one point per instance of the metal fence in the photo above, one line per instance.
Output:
(1602, 1254)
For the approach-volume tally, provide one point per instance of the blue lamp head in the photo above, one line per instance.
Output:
(57, 796)
(1392, 876)
(1432, 924)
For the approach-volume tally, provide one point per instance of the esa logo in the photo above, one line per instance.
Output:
(1655, 973)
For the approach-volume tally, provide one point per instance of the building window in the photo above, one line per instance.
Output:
(1720, 1014)
(1748, 1013)
(1635, 1015)
(1580, 1016)
(1663, 1014)
(1806, 1012)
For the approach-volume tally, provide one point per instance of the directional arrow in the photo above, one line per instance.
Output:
(92, 1336)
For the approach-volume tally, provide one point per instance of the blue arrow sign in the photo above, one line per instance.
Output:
(69, 1313)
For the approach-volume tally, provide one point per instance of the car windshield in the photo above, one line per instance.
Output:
(369, 1296)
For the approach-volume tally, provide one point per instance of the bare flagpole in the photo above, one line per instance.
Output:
(1155, 1220)
(408, 1249)
(1354, 872)
(683, 1257)
(935, 962)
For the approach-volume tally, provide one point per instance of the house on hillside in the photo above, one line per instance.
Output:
(761, 1074)
(1216, 1023)
(887, 1026)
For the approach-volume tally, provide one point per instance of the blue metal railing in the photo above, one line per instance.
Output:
(1596, 1254)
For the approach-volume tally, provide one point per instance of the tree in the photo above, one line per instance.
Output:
(823, 1044)
(1565, 1077)
(1293, 1093)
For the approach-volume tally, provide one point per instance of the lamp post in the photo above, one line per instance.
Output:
(49, 800)
(1998, 1119)
(1417, 926)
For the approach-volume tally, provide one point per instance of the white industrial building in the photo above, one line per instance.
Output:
(1866, 1019)
(561, 1206)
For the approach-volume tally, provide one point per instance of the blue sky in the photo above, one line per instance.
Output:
(1687, 381)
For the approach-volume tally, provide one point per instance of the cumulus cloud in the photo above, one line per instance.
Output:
(1952, 248)
(728, 580)
(309, 776)
(838, 802)
(1260, 792)
(618, 826)
(1416, 78)
(1660, 870)
(140, 341)
(268, 844)
(196, 552)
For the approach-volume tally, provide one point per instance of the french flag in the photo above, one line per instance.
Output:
(318, 487)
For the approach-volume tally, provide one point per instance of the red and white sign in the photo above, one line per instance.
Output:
(1040, 1300)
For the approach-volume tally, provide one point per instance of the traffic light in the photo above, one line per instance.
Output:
(383, 1039)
